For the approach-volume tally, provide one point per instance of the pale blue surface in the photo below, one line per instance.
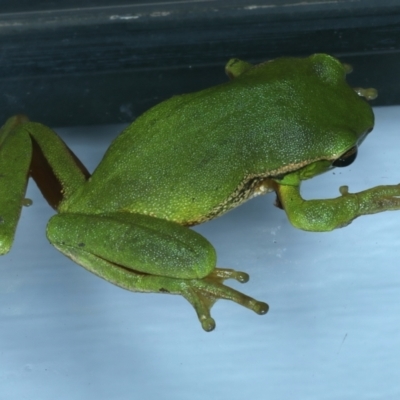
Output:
(333, 330)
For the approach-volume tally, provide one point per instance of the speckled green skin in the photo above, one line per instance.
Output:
(190, 159)
(186, 156)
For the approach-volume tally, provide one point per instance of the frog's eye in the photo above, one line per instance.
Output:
(347, 158)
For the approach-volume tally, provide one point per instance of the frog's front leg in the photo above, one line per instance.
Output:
(145, 254)
(329, 214)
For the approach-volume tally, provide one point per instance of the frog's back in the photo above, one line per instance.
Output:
(188, 155)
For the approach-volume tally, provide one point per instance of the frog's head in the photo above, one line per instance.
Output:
(346, 108)
(318, 120)
(356, 124)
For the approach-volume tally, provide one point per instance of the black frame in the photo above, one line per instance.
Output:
(70, 64)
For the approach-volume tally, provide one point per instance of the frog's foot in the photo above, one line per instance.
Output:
(203, 293)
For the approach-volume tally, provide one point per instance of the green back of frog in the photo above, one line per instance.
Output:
(187, 155)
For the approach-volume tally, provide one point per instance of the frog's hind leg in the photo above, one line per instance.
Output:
(15, 159)
(146, 254)
(29, 149)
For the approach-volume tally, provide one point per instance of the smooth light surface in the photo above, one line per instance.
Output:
(332, 332)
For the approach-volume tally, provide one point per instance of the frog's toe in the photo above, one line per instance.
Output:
(220, 274)
(260, 307)
(207, 323)
(202, 305)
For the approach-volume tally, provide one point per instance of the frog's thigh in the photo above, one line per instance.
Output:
(136, 242)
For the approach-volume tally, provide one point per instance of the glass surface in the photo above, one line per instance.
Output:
(332, 332)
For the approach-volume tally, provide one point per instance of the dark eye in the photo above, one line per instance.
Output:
(347, 158)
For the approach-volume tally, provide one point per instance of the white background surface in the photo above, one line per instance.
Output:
(332, 332)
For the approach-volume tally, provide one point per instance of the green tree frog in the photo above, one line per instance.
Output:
(190, 159)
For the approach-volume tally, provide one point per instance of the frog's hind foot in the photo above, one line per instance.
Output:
(203, 293)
